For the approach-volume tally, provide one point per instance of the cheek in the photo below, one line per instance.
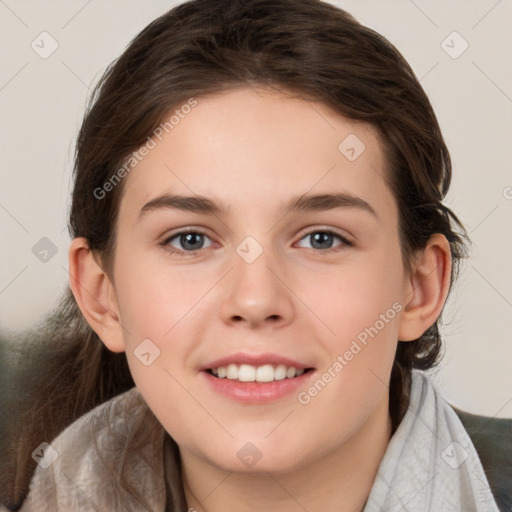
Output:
(162, 310)
(154, 297)
(354, 295)
(156, 308)
(362, 309)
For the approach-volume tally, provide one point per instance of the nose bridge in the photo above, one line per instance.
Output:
(256, 292)
(253, 269)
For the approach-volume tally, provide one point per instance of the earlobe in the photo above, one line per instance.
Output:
(95, 294)
(427, 289)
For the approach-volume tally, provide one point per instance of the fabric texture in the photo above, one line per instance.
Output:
(79, 478)
(430, 463)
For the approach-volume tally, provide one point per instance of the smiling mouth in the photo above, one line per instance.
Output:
(263, 373)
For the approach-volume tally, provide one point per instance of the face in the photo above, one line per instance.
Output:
(256, 287)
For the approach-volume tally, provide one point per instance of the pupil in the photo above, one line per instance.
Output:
(320, 237)
(188, 239)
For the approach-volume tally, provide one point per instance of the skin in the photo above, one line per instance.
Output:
(254, 149)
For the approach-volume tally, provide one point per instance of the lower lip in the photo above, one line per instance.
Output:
(256, 392)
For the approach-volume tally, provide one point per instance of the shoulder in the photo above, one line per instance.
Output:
(80, 468)
(492, 439)
(99, 427)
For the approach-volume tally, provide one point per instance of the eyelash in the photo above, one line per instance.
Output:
(172, 250)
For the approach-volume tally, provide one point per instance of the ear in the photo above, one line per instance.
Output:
(95, 294)
(427, 288)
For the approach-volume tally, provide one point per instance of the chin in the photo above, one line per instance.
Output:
(258, 458)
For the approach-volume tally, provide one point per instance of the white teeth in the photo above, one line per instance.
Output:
(290, 372)
(232, 371)
(265, 373)
(246, 373)
(249, 373)
(280, 372)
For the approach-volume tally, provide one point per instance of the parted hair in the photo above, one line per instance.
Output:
(307, 48)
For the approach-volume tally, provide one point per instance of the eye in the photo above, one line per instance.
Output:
(190, 240)
(322, 240)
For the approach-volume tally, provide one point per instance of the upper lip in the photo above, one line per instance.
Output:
(254, 360)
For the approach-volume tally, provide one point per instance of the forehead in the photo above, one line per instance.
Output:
(253, 149)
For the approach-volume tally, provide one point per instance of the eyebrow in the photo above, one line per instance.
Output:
(301, 203)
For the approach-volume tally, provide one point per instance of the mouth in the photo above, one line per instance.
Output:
(262, 373)
(256, 379)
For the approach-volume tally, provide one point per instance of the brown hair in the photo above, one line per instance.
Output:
(308, 48)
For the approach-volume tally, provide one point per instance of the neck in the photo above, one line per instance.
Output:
(340, 480)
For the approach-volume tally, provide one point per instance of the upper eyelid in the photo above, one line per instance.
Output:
(320, 228)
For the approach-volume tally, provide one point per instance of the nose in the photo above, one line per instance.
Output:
(257, 293)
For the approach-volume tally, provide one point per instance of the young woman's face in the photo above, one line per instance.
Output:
(261, 284)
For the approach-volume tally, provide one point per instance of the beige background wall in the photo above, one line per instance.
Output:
(42, 102)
